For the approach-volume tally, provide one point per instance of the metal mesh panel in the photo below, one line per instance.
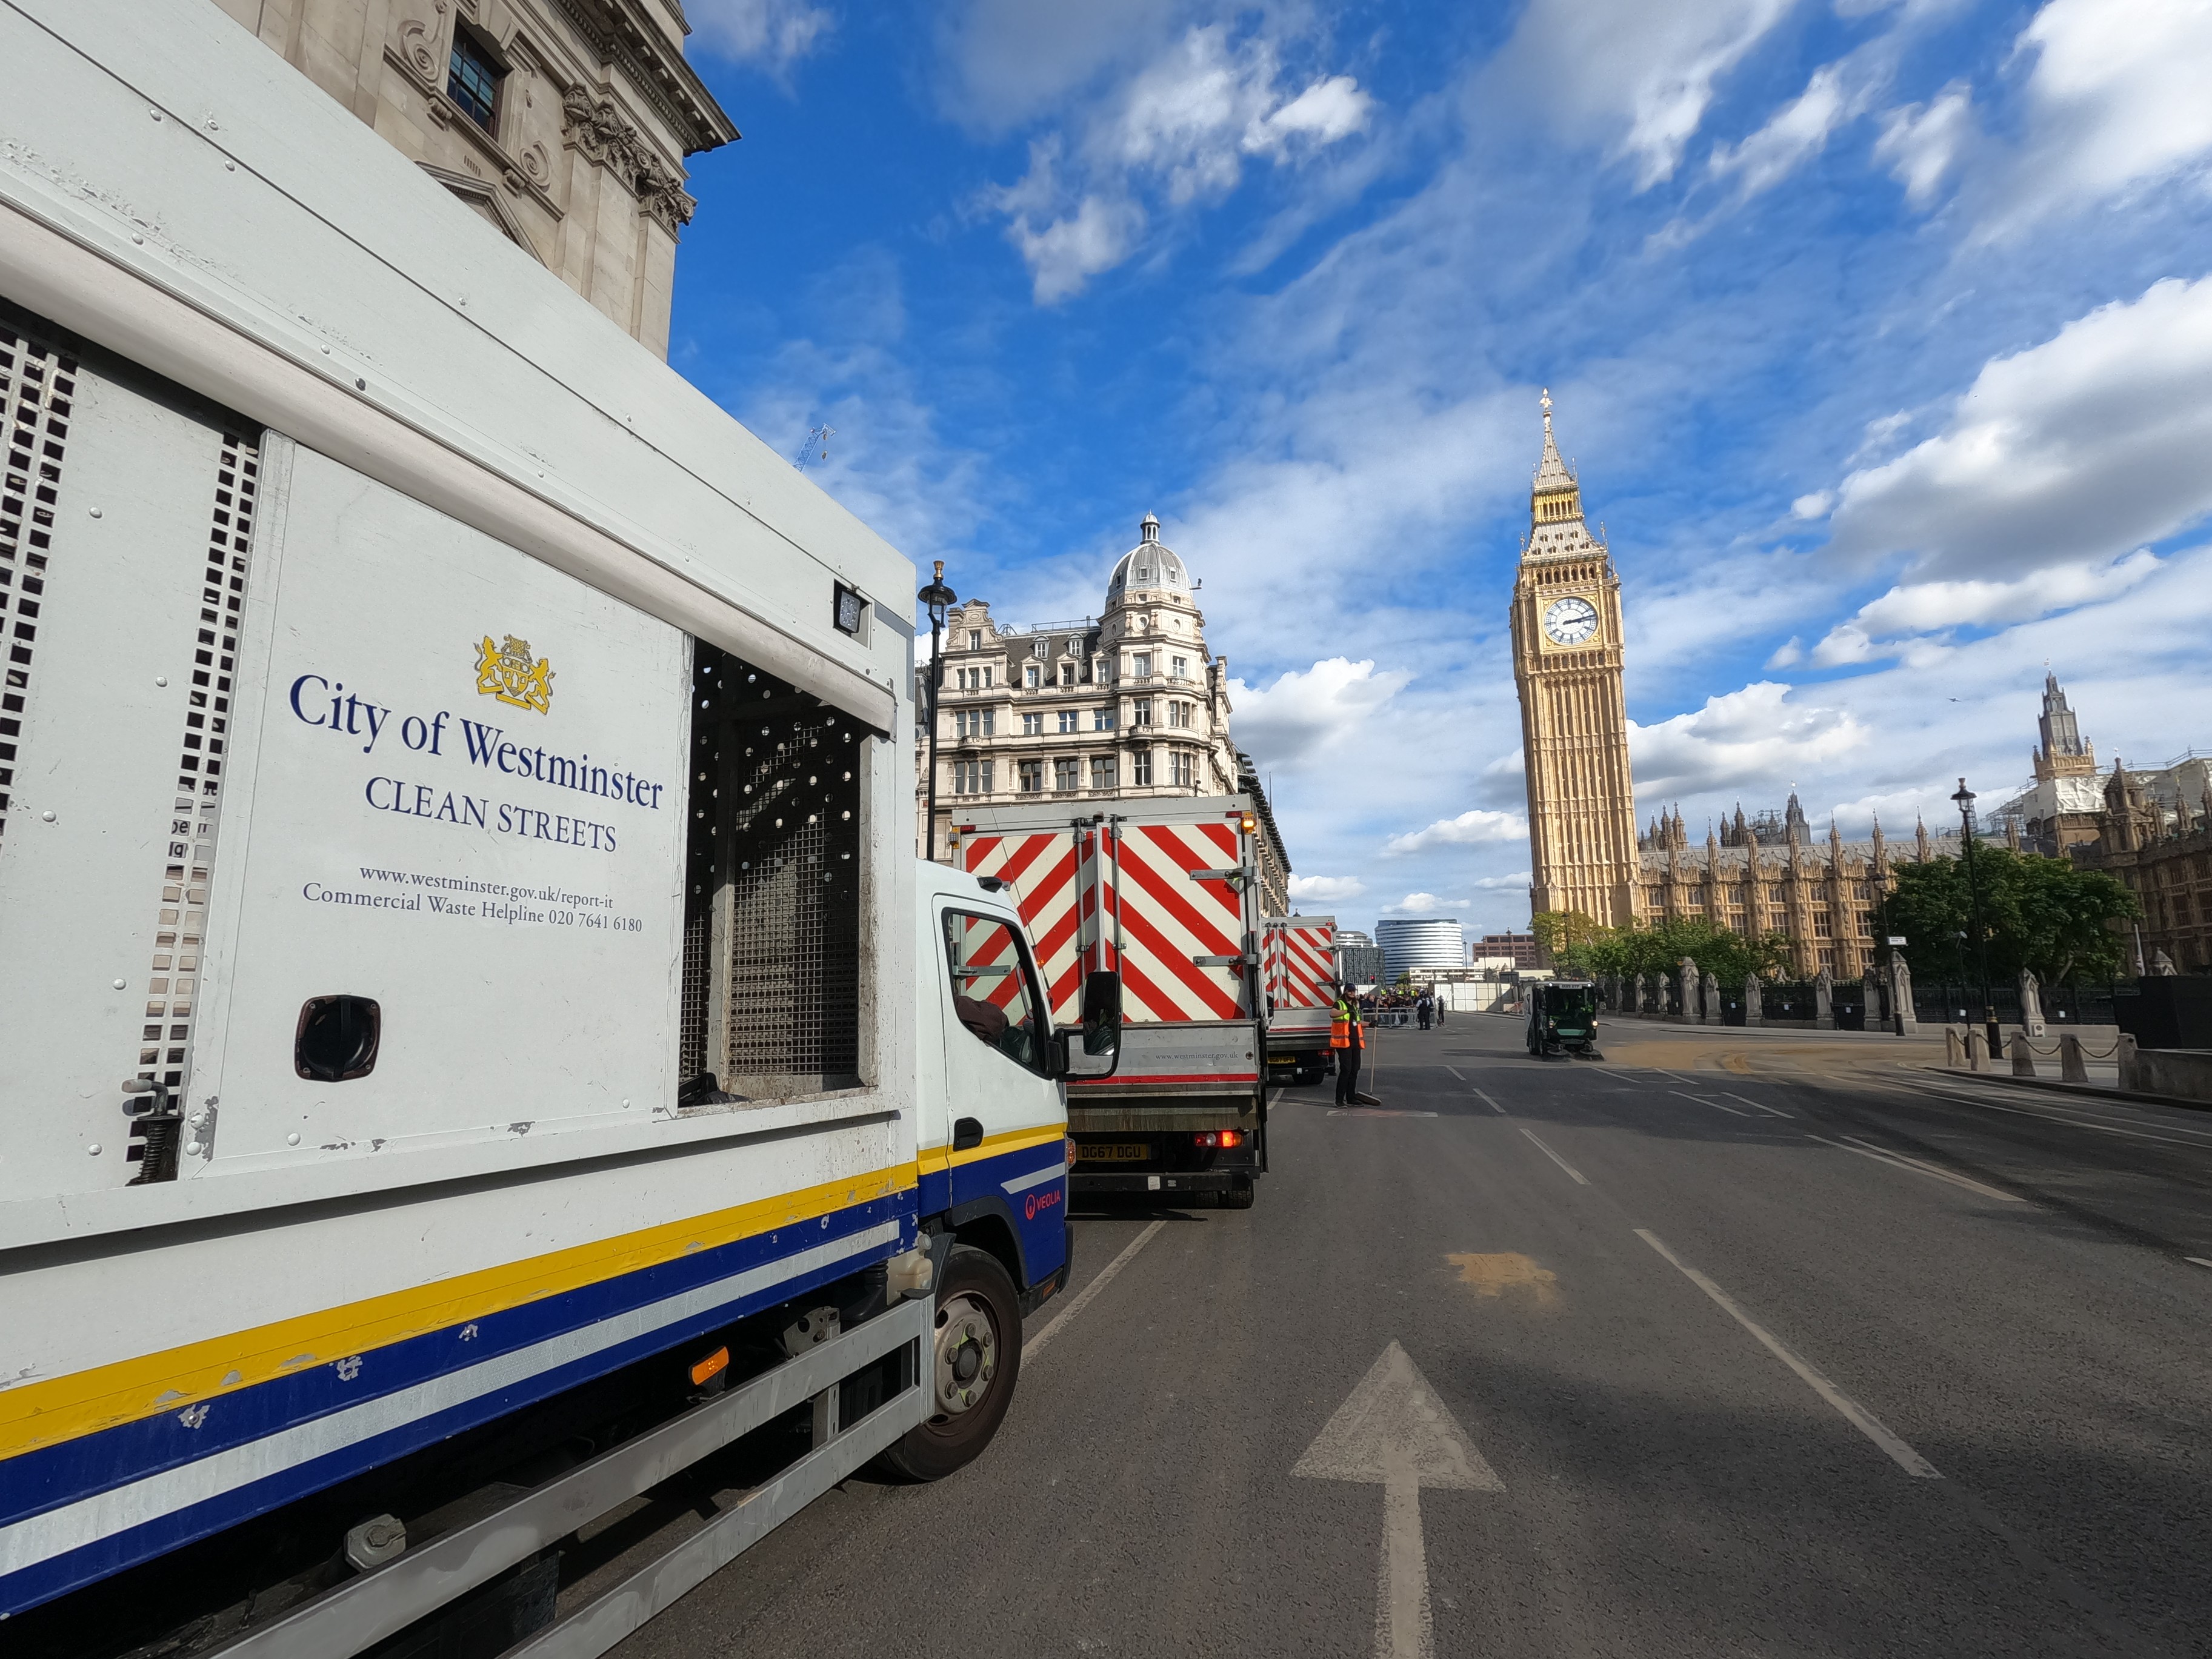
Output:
(772, 918)
(38, 386)
(166, 1040)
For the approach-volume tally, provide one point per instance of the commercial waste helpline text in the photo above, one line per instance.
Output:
(465, 899)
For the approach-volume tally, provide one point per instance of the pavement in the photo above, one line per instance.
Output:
(1733, 1343)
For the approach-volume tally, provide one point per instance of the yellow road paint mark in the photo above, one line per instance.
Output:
(1509, 1270)
(1737, 1063)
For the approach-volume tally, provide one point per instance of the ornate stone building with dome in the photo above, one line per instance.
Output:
(1124, 706)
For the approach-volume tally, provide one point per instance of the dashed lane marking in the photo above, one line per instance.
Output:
(1701, 1101)
(1852, 1412)
(1488, 1102)
(1456, 1072)
(1772, 1111)
(1577, 1176)
(1884, 1155)
(2198, 1260)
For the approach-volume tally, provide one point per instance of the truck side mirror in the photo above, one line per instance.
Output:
(1102, 1012)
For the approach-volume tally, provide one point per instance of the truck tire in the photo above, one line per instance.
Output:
(970, 1370)
(1240, 1195)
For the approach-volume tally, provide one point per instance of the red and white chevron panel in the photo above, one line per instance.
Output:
(1164, 917)
(1169, 919)
(1050, 872)
(1301, 962)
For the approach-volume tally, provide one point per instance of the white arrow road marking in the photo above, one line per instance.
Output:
(1852, 1412)
(1393, 1432)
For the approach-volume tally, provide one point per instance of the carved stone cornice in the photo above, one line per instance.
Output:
(631, 43)
(595, 128)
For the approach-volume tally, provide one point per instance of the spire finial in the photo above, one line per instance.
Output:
(1546, 400)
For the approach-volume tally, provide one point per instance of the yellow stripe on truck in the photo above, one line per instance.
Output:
(61, 1408)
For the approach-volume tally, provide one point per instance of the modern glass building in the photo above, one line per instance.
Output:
(1412, 942)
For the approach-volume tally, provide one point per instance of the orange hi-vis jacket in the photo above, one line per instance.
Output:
(1345, 1030)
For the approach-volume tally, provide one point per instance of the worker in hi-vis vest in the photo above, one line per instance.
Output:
(1349, 1039)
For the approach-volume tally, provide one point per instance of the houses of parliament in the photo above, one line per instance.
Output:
(2150, 828)
(1586, 854)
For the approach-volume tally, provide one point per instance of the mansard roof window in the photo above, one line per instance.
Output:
(472, 78)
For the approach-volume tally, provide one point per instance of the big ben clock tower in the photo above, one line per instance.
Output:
(1574, 719)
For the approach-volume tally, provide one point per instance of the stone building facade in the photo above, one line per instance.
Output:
(2154, 838)
(1825, 895)
(1127, 705)
(562, 124)
(2058, 810)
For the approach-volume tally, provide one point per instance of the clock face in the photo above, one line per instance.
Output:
(1570, 621)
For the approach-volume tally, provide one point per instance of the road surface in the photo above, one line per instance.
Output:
(1758, 1359)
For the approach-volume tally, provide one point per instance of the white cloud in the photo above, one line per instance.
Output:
(1069, 251)
(1738, 738)
(1788, 655)
(1326, 890)
(1814, 506)
(1633, 75)
(1307, 715)
(772, 34)
(1838, 92)
(1424, 904)
(2089, 443)
(1921, 142)
(1516, 882)
(1469, 829)
(2116, 100)
(1186, 123)
(1937, 607)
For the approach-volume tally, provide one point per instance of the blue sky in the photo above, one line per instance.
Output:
(1881, 335)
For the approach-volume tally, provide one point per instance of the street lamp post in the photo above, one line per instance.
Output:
(1965, 797)
(938, 597)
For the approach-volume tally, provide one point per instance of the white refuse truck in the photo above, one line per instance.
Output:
(1162, 892)
(474, 1039)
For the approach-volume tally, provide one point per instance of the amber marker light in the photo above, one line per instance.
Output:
(713, 1365)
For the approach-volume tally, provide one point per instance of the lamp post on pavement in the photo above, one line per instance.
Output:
(938, 598)
(1965, 797)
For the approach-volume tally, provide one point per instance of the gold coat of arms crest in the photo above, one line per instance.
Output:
(510, 673)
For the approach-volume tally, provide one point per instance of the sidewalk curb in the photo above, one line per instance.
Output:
(2056, 1087)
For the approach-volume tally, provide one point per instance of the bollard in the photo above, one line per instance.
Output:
(1954, 1053)
(2023, 1057)
(2130, 1078)
(2070, 1067)
(1977, 1049)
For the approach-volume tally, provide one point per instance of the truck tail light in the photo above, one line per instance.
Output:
(1211, 1139)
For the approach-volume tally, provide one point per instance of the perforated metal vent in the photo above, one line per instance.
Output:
(772, 918)
(38, 387)
(164, 1050)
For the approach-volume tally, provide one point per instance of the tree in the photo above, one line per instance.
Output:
(2040, 914)
(1584, 947)
(1565, 935)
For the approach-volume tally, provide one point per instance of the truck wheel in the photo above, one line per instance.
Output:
(970, 1368)
(1240, 1195)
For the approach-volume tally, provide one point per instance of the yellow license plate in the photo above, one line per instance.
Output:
(1113, 1152)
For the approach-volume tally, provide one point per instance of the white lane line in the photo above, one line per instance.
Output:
(1677, 1076)
(1700, 1101)
(1488, 1102)
(1772, 1111)
(1456, 1072)
(1577, 1176)
(1060, 1322)
(1884, 1155)
(2053, 1117)
(1852, 1412)
(2198, 1260)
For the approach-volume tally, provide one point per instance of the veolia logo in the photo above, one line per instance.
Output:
(507, 672)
